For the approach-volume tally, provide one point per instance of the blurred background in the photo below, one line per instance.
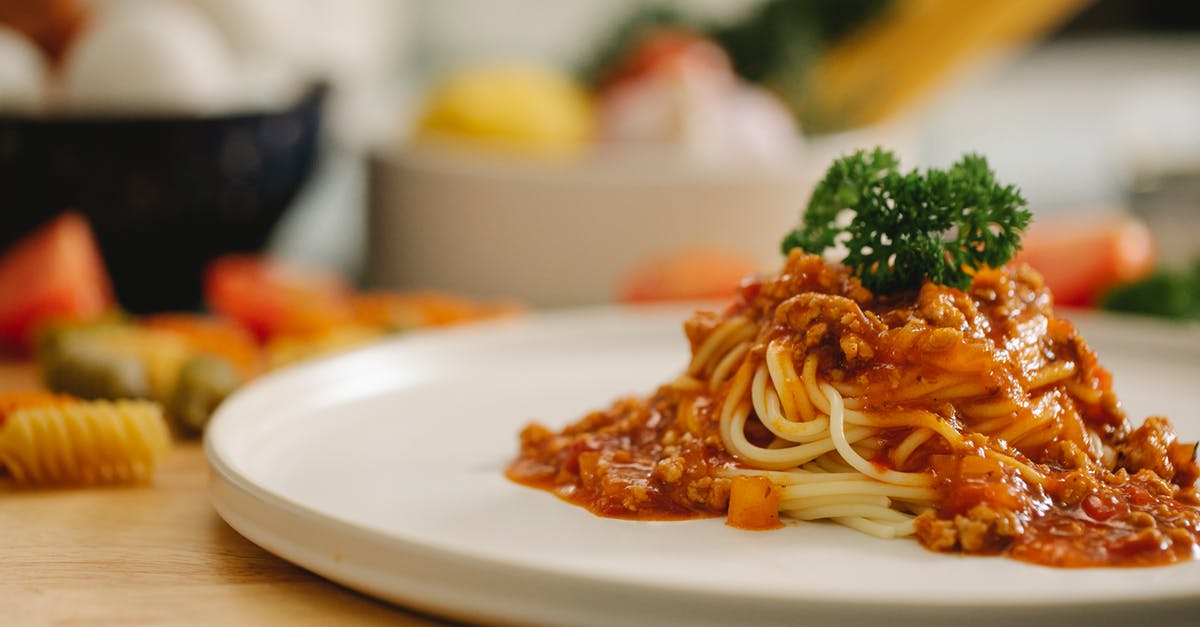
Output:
(549, 154)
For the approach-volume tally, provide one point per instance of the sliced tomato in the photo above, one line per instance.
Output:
(272, 297)
(698, 274)
(54, 273)
(666, 51)
(1081, 259)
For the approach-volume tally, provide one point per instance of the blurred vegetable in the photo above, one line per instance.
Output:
(274, 297)
(160, 360)
(668, 51)
(211, 335)
(518, 108)
(646, 20)
(72, 365)
(204, 383)
(1083, 257)
(112, 360)
(1166, 293)
(54, 273)
(698, 274)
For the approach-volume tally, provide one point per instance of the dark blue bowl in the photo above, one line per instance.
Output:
(165, 195)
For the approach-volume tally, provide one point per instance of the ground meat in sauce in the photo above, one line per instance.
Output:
(1108, 494)
(634, 460)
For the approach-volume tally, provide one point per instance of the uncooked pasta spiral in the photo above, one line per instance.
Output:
(49, 440)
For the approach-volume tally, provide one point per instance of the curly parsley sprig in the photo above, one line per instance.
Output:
(901, 229)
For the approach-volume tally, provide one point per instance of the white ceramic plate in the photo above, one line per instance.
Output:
(383, 470)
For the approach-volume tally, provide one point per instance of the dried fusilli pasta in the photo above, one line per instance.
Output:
(62, 441)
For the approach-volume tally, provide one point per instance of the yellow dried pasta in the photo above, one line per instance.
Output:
(82, 443)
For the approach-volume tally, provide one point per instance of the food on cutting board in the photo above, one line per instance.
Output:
(53, 273)
(56, 440)
(56, 302)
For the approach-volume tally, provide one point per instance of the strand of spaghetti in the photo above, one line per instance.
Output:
(832, 463)
(1084, 392)
(804, 404)
(1052, 374)
(770, 413)
(733, 402)
(809, 377)
(910, 443)
(851, 400)
(1027, 472)
(942, 388)
(989, 409)
(733, 435)
(787, 382)
(797, 476)
(687, 383)
(721, 371)
(863, 510)
(834, 499)
(1024, 423)
(837, 430)
(731, 331)
(886, 531)
(780, 458)
(874, 488)
(910, 418)
(967, 389)
(993, 425)
(1049, 431)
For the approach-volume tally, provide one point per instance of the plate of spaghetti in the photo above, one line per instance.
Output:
(910, 432)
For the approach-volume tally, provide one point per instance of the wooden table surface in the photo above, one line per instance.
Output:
(153, 555)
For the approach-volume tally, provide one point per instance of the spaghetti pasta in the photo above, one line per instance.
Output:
(974, 420)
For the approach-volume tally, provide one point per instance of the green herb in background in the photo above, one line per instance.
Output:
(1166, 293)
(901, 229)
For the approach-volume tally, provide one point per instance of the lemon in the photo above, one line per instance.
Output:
(511, 107)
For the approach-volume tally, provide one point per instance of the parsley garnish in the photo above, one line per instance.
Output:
(901, 229)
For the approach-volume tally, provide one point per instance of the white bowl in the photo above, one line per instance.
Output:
(568, 233)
